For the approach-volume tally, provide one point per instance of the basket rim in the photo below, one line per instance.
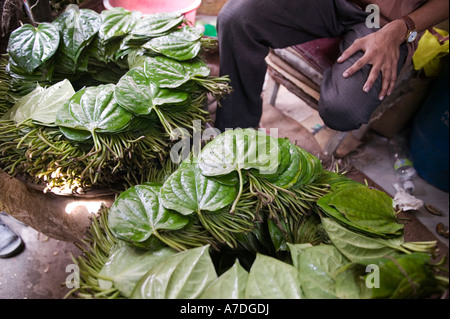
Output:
(196, 4)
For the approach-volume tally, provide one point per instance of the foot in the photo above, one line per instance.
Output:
(10, 243)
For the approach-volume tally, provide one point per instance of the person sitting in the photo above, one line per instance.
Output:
(365, 73)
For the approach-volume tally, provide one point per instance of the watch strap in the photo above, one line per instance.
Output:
(409, 23)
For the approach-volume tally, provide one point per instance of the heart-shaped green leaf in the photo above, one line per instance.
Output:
(155, 25)
(182, 276)
(137, 92)
(30, 47)
(127, 265)
(77, 28)
(188, 191)
(94, 109)
(42, 104)
(138, 214)
(169, 73)
(117, 22)
(183, 44)
(237, 150)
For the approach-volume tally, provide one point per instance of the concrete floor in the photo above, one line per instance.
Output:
(39, 272)
(375, 161)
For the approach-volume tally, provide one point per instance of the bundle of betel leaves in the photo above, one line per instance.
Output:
(96, 101)
(254, 216)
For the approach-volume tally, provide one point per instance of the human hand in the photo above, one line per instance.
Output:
(382, 51)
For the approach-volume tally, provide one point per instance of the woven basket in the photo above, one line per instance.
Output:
(211, 7)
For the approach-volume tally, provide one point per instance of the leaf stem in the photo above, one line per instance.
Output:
(241, 188)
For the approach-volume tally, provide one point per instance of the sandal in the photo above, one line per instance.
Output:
(10, 243)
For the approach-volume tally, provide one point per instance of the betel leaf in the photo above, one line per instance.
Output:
(230, 285)
(405, 276)
(335, 180)
(400, 276)
(42, 104)
(317, 269)
(368, 207)
(363, 209)
(154, 25)
(349, 283)
(168, 73)
(288, 177)
(64, 64)
(77, 29)
(278, 233)
(237, 150)
(42, 74)
(103, 52)
(182, 276)
(310, 168)
(270, 278)
(357, 247)
(136, 58)
(95, 110)
(117, 22)
(30, 47)
(137, 93)
(183, 44)
(187, 191)
(137, 214)
(126, 266)
(75, 135)
(283, 163)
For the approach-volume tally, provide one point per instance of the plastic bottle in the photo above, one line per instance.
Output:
(403, 166)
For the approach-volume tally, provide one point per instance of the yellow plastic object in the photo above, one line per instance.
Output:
(433, 45)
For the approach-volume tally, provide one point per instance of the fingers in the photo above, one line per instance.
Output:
(373, 75)
(388, 80)
(389, 77)
(358, 65)
(386, 65)
(351, 50)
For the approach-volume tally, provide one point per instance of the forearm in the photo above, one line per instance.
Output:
(430, 14)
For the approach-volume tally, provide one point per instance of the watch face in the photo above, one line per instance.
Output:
(412, 36)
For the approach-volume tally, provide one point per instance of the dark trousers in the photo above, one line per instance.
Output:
(248, 28)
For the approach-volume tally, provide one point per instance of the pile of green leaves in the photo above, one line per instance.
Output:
(235, 180)
(97, 100)
(213, 221)
(88, 48)
(112, 269)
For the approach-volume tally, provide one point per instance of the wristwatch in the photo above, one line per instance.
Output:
(411, 35)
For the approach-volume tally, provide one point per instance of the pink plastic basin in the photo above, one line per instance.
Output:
(187, 7)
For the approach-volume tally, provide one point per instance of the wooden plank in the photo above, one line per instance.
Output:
(296, 61)
(293, 88)
(293, 76)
